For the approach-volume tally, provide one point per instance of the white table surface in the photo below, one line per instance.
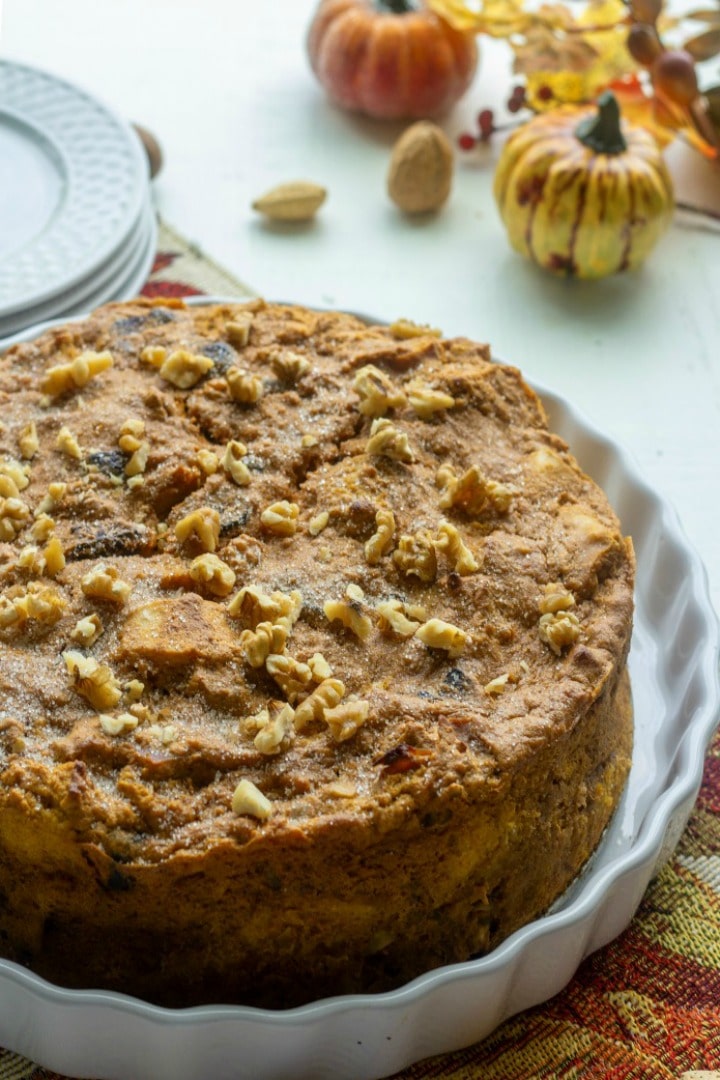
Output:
(226, 87)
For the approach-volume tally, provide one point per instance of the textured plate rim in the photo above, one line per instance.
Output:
(638, 862)
(139, 183)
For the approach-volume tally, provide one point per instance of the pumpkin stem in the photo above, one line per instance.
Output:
(396, 7)
(601, 132)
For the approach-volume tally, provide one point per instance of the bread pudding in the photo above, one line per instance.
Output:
(313, 649)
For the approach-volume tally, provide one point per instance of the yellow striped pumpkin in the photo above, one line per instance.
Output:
(582, 193)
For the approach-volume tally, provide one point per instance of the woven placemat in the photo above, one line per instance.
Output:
(646, 1007)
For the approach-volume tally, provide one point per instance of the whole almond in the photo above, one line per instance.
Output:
(421, 169)
(297, 200)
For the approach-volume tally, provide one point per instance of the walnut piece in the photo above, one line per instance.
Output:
(376, 391)
(473, 493)
(265, 639)
(349, 613)
(28, 441)
(201, 526)
(346, 718)
(118, 725)
(275, 729)
(68, 444)
(325, 696)
(388, 441)
(426, 402)
(393, 619)
(255, 606)
(244, 387)
(559, 630)
(318, 523)
(237, 331)
(39, 603)
(403, 329)
(212, 573)
(438, 634)
(381, 542)
(449, 541)
(87, 630)
(184, 369)
(415, 557)
(291, 675)
(104, 583)
(233, 464)
(13, 515)
(94, 681)
(248, 799)
(555, 598)
(289, 366)
(281, 518)
(76, 373)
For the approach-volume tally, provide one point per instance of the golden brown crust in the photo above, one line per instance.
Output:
(288, 605)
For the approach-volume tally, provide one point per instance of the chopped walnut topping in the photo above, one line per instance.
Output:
(208, 461)
(318, 523)
(497, 685)
(319, 667)
(449, 541)
(415, 557)
(14, 477)
(244, 387)
(13, 515)
(308, 440)
(559, 630)
(405, 328)
(255, 606)
(154, 355)
(289, 366)
(381, 542)
(76, 373)
(393, 619)
(28, 441)
(426, 402)
(52, 560)
(248, 799)
(472, 492)
(388, 441)
(131, 435)
(345, 719)
(438, 634)
(55, 495)
(275, 730)
(42, 528)
(237, 331)
(214, 574)
(341, 789)
(201, 526)
(104, 583)
(67, 442)
(281, 518)
(376, 391)
(118, 725)
(349, 613)
(30, 559)
(86, 631)
(134, 690)
(233, 464)
(265, 639)
(325, 696)
(291, 675)
(94, 681)
(184, 369)
(556, 598)
(39, 603)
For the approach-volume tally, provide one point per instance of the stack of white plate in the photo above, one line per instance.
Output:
(77, 226)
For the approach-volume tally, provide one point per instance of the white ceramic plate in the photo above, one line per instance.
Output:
(119, 279)
(674, 670)
(73, 181)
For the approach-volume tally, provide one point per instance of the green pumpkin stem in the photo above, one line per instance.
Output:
(396, 7)
(601, 132)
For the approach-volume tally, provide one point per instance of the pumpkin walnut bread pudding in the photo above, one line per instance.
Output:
(312, 654)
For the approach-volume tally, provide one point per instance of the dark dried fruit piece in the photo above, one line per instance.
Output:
(402, 759)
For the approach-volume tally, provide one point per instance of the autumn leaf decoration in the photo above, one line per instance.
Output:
(568, 57)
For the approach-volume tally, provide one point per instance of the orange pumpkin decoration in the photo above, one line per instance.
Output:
(393, 59)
